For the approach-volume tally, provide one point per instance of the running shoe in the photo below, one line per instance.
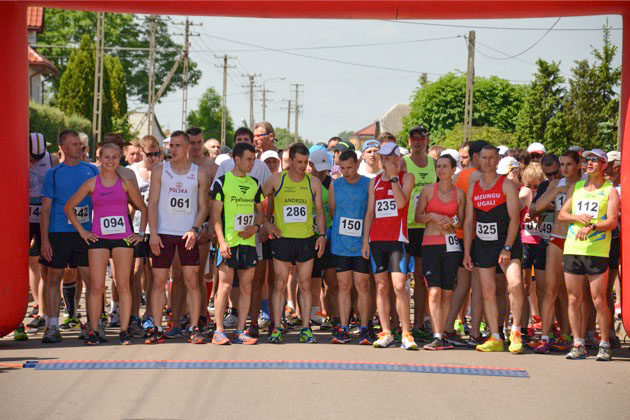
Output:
(219, 338)
(341, 336)
(422, 335)
(195, 337)
(230, 320)
(491, 345)
(263, 321)
(516, 342)
(543, 347)
(364, 337)
(19, 334)
(101, 325)
(458, 326)
(592, 340)
(92, 338)
(306, 336)
(155, 336)
(577, 352)
(385, 339)
(326, 325)
(318, 318)
(275, 337)
(207, 332)
(473, 342)
(293, 322)
(135, 330)
(34, 326)
(70, 323)
(407, 342)
(173, 332)
(562, 343)
(241, 337)
(438, 344)
(114, 320)
(83, 335)
(211, 305)
(617, 310)
(184, 322)
(51, 335)
(125, 338)
(604, 354)
(148, 323)
(35, 310)
(482, 327)
(615, 342)
(253, 330)
(453, 339)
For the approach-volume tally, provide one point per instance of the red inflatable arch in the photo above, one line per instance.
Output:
(15, 92)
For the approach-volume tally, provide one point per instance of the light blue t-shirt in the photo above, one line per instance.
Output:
(60, 183)
(348, 223)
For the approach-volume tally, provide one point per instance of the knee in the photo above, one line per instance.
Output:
(600, 301)
(435, 294)
(362, 288)
(344, 287)
(382, 288)
(515, 288)
(574, 299)
(488, 292)
(400, 289)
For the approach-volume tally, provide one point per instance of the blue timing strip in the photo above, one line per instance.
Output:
(298, 365)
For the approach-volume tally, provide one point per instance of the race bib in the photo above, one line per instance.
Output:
(294, 214)
(545, 230)
(113, 225)
(350, 227)
(241, 221)
(588, 207)
(487, 231)
(386, 208)
(531, 229)
(452, 243)
(34, 213)
(82, 213)
(179, 205)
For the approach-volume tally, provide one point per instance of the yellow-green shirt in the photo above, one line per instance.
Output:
(423, 176)
(293, 207)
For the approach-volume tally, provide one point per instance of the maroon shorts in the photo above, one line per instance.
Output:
(171, 244)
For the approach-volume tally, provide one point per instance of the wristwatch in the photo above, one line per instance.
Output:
(507, 248)
(258, 226)
(195, 229)
(394, 180)
(141, 233)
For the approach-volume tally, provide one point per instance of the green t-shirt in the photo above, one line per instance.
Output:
(293, 207)
(424, 176)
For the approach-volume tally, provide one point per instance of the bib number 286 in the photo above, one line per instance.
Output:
(294, 214)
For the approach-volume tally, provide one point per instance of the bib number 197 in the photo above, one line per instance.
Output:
(241, 221)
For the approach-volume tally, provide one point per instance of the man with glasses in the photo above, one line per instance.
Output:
(592, 208)
(264, 137)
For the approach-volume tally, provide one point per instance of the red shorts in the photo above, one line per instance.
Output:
(171, 244)
(559, 242)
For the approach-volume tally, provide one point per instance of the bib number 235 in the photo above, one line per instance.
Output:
(386, 208)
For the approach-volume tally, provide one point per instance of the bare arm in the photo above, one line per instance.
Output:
(402, 193)
(331, 200)
(154, 198)
(320, 214)
(369, 218)
(468, 222)
(86, 188)
(136, 198)
(544, 201)
(44, 224)
(512, 201)
(202, 199)
(421, 216)
(612, 212)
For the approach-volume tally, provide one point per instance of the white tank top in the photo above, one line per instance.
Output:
(144, 192)
(37, 172)
(177, 206)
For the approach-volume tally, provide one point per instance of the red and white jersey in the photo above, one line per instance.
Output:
(390, 222)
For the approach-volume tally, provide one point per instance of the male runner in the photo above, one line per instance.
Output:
(464, 154)
(296, 194)
(370, 165)
(264, 137)
(213, 146)
(61, 243)
(422, 167)
(492, 209)
(237, 215)
(178, 205)
(133, 153)
(592, 207)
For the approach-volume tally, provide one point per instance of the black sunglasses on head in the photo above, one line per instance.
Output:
(152, 154)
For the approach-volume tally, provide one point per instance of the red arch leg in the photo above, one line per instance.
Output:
(625, 174)
(13, 167)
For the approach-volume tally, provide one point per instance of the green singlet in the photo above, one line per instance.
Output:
(293, 207)
(423, 176)
(325, 187)
(594, 203)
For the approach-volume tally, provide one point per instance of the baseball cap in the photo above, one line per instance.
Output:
(506, 164)
(343, 145)
(596, 152)
(224, 150)
(614, 156)
(370, 143)
(404, 151)
(320, 160)
(269, 154)
(455, 155)
(418, 130)
(222, 158)
(536, 148)
(37, 146)
(389, 149)
(502, 150)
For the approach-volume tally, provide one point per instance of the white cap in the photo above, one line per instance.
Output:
(536, 148)
(455, 155)
(269, 154)
(389, 149)
(502, 150)
(506, 164)
(321, 160)
(359, 154)
(404, 151)
(614, 156)
(222, 158)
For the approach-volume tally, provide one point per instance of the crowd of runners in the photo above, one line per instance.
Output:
(483, 247)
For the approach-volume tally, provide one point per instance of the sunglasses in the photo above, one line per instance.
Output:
(552, 174)
(261, 135)
(152, 154)
(593, 159)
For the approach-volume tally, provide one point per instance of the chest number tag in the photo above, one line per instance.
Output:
(34, 213)
(589, 207)
(452, 243)
(545, 230)
(294, 214)
(386, 208)
(487, 231)
(241, 221)
(350, 227)
(82, 213)
(179, 204)
(112, 225)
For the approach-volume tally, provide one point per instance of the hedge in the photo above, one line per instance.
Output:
(50, 121)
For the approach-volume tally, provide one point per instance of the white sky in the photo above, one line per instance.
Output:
(338, 97)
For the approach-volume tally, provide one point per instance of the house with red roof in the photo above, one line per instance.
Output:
(39, 67)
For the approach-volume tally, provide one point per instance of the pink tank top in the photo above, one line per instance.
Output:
(435, 205)
(111, 216)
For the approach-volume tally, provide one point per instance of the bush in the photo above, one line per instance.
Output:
(50, 121)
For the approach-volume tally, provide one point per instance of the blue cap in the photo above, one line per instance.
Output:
(370, 143)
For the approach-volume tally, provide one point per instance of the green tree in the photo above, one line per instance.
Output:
(454, 138)
(207, 116)
(439, 105)
(544, 99)
(76, 90)
(284, 139)
(345, 135)
(118, 86)
(65, 28)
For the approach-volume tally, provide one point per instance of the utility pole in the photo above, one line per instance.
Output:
(224, 97)
(151, 91)
(470, 82)
(252, 84)
(264, 102)
(288, 115)
(97, 109)
(297, 107)
(185, 75)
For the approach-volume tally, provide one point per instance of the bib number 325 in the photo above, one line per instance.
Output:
(487, 231)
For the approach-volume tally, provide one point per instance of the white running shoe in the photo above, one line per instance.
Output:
(384, 340)
(230, 321)
(408, 343)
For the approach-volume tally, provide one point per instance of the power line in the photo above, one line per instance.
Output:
(503, 28)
